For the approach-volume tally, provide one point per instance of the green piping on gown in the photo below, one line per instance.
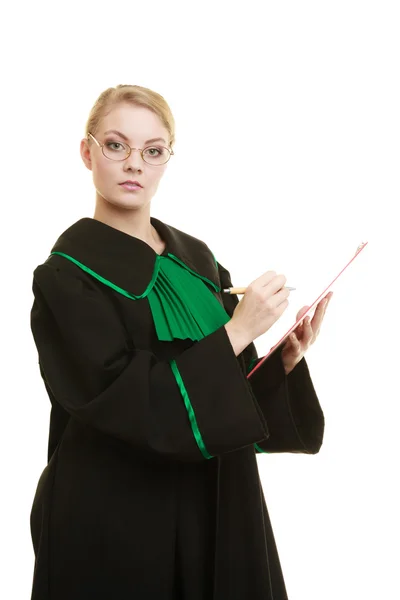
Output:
(260, 450)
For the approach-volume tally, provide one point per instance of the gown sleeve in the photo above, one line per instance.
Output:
(196, 408)
(289, 402)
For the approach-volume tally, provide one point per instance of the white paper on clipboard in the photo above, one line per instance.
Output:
(293, 327)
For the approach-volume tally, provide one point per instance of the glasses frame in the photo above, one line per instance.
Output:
(141, 150)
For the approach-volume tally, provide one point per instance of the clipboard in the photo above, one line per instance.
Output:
(293, 327)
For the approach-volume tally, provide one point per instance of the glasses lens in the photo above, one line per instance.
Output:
(115, 150)
(156, 155)
(153, 155)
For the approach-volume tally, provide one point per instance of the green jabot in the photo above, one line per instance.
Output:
(181, 304)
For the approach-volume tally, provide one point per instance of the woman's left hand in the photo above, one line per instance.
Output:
(304, 335)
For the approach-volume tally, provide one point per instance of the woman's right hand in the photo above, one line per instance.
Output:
(263, 303)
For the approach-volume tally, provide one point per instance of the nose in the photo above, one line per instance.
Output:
(134, 160)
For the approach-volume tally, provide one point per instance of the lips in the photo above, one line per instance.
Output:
(131, 183)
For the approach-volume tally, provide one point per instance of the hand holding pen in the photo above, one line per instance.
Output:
(264, 301)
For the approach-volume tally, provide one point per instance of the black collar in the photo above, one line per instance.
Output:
(128, 261)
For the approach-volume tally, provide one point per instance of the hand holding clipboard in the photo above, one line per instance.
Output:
(303, 313)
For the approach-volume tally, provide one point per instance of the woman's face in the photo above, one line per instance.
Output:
(139, 125)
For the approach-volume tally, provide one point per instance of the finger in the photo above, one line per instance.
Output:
(299, 329)
(273, 289)
(322, 304)
(317, 322)
(310, 333)
(319, 314)
(264, 279)
(297, 350)
(301, 312)
(271, 284)
(327, 299)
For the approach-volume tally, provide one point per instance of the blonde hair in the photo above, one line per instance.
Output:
(135, 95)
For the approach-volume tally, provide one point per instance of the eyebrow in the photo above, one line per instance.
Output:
(159, 139)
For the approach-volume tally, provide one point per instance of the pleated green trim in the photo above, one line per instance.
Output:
(182, 305)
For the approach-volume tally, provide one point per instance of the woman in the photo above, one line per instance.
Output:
(151, 488)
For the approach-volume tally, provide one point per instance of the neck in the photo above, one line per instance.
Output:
(135, 222)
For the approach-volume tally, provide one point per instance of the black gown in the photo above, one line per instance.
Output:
(152, 490)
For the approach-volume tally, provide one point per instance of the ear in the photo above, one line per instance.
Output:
(85, 153)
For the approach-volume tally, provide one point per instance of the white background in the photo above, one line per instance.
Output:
(287, 158)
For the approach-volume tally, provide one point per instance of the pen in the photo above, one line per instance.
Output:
(238, 290)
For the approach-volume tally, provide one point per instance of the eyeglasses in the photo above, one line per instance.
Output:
(152, 155)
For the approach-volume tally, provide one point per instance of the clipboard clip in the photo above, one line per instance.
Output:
(361, 246)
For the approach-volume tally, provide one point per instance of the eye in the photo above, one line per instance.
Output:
(152, 150)
(116, 146)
